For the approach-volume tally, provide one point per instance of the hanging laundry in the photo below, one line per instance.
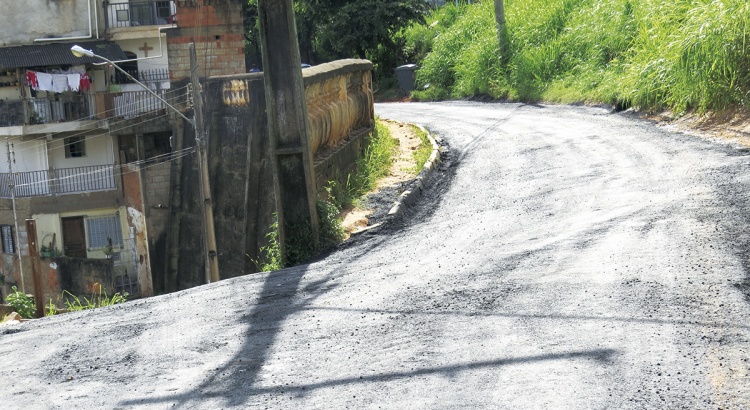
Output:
(74, 81)
(78, 69)
(31, 79)
(85, 82)
(44, 82)
(59, 83)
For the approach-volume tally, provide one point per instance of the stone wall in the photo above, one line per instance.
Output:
(339, 101)
(340, 113)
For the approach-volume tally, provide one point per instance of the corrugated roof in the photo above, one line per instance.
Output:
(41, 55)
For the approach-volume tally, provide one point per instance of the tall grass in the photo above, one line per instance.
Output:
(677, 54)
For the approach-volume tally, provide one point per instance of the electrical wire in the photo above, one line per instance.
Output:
(125, 106)
(173, 156)
(87, 136)
(92, 117)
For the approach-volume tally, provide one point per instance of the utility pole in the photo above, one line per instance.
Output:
(12, 185)
(287, 124)
(212, 262)
(502, 34)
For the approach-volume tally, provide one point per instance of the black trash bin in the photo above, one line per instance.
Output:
(406, 75)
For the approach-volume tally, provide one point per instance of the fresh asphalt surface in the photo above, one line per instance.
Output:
(564, 257)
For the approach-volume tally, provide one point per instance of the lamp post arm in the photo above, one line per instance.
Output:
(192, 122)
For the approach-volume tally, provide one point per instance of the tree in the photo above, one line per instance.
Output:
(334, 29)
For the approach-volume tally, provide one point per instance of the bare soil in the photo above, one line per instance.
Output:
(730, 125)
(402, 171)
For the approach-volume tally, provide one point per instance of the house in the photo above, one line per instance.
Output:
(85, 152)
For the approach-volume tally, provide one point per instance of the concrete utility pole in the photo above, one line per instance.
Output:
(502, 36)
(12, 186)
(287, 122)
(212, 261)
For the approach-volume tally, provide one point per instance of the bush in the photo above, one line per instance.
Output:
(22, 303)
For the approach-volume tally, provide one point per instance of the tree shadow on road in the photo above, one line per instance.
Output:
(237, 381)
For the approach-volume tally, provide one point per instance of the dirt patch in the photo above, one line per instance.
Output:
(729, 125)
(403, 170)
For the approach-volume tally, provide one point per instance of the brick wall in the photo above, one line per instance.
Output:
(216, 27)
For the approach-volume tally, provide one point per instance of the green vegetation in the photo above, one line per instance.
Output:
(374, 164)
(423, 151)
(73, 303)
(22, 303)
(271, 254)
(652, 54)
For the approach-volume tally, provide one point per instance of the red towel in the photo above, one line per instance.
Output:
(85, 82)
(31, 80)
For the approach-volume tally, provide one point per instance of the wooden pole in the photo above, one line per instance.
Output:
(212, 261)
(36, 266)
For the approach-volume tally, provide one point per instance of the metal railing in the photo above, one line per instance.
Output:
(145, 76)
(133, 103)
(84, 179)
(155, 75)
(66, 107)
(59, 181)
(74, 107)
(139, 13)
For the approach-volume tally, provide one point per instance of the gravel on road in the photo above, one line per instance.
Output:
(564, 257)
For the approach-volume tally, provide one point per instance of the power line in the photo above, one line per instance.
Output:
(172, 157)
(89, 135)
(95, 117)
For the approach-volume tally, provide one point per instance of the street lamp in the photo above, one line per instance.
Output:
(79, 52)
(212, 263)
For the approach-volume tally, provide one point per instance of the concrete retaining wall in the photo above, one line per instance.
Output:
(341, 115)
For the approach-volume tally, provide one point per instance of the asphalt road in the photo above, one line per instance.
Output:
(564, 257)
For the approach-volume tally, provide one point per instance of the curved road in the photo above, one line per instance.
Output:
(564, 257)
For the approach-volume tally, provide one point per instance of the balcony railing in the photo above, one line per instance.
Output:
(147, 76)
(139, 13)
(59, 181)
(65, 107)
(82, 107)
(60, 108)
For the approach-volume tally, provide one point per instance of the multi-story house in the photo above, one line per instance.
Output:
(85, 151)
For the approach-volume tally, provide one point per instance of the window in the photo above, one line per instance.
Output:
(6, 234)
(103, 231)
(75, 147)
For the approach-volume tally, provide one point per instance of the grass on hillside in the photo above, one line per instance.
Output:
(652, 54)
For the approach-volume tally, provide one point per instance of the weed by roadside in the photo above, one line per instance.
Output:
(423, 151)
(338, 195)
(73, 303)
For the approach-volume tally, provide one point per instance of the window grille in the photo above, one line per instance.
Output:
(101, 230)
(6, 231)
(75, 147)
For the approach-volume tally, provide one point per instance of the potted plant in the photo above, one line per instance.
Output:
(46, 252)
